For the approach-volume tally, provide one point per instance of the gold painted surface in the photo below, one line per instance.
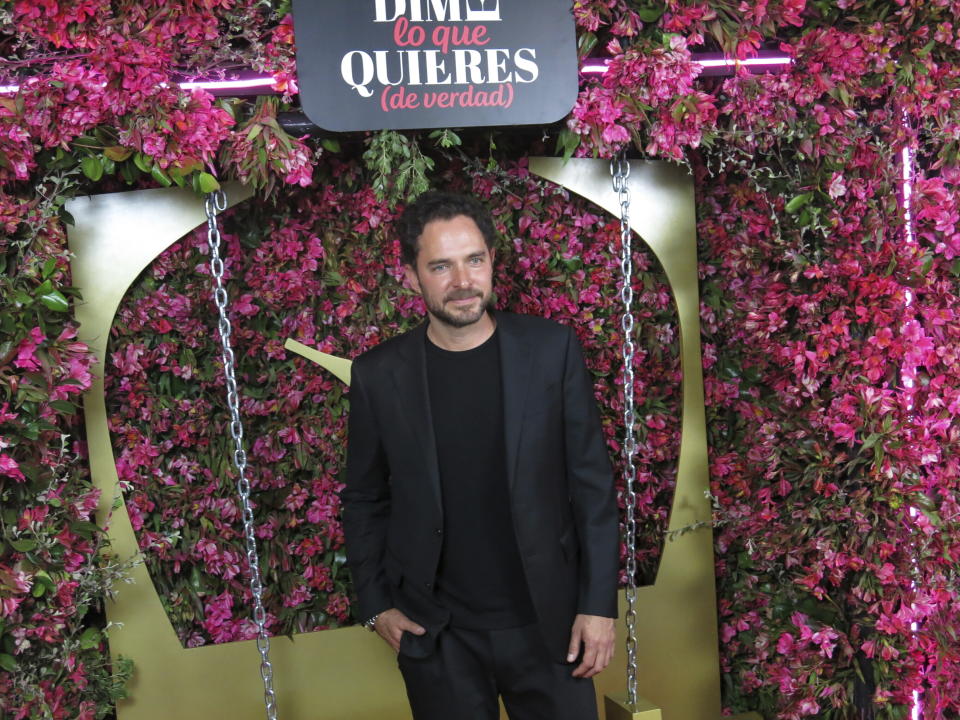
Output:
(350, 674)
(339, 366)
(678, 657)
(332, 675)
(617, 708)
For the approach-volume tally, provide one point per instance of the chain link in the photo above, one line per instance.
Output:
(216, 202)
(620, 172)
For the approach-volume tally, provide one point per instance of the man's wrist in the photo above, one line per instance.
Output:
(371, 622)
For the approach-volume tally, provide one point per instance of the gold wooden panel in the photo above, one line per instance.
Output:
(678, 647)
(349, 673)
(332, 675)
(617, 708)
(340, 367)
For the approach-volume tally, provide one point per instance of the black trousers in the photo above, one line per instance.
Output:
(470, 668)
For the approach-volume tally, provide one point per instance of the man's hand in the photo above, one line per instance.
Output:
(597, 636)
(391, 624)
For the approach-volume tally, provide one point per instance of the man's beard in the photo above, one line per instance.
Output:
(460, 318)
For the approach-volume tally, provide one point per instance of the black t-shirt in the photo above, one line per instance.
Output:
(480, 579)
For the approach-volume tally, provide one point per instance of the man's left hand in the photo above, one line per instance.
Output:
(597, 636)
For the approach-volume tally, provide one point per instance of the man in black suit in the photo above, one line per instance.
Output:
(479, 509)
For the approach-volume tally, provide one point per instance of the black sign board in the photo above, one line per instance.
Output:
(395, 64)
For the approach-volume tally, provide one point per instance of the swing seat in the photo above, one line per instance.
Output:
(616, 707)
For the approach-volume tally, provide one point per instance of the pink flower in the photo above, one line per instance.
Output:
(26, 358)
(785, 644)
(845, 432)
(10, 468)
(886, 574)
(837, 187)
(5, 414)
(808, 706)
(300, 595)
(338, 606)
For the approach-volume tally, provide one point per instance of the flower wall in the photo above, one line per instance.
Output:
(829, 325)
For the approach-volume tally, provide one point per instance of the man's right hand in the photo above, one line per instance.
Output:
(391, 624)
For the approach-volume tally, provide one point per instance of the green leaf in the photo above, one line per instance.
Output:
(386, 307)
(63, 406)
(55, 301)
(23, 545)
(330, 145)
(8, 662)
(90, 638)
(445, 138)
(925, 50)
(208, 183)
(38, 590)
(129, 173)
(118, 153)
(798, 202)
(160, 176)
(84, 528)
(92, 167)
(568, 141)
(44, 579)
(143, 162)
(650, 14)
(586, 43)
(48, 267)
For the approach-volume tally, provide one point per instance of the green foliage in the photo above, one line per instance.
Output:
(398, 167)
(55, 566)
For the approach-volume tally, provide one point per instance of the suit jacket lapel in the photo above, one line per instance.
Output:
(410, 378)
(516, 367)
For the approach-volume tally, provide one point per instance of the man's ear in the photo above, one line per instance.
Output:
(411, 274)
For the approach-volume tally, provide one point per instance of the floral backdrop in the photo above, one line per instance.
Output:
(828, 309)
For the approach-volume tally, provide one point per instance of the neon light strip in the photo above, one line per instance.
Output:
(906, 157)
(245, 84)
(599, 67)
(594, 67)
(590, 67)
(762, 61)
(228, 84)
(906, 191)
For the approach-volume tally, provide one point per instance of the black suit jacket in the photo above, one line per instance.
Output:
(561, 488)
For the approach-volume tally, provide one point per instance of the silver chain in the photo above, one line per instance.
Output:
(216, 202)
(620, 172)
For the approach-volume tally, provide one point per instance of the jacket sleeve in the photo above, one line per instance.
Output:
(366, 502)
(592, 491)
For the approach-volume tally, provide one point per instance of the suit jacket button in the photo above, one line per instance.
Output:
(438, 531)
(428, 585)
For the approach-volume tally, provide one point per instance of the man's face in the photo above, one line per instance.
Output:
(453, 271)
